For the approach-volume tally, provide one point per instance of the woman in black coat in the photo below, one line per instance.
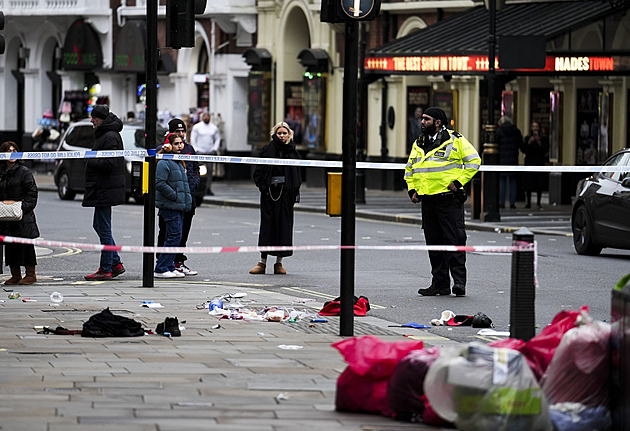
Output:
(17, 184)
(279, 191)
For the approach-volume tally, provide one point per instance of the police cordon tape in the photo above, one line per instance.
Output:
(517, 247)
(140, 154)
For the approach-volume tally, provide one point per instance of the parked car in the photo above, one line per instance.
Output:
(70, 173)
(601, 212)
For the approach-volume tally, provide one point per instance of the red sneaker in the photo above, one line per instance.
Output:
(117, 270)
(99, 276)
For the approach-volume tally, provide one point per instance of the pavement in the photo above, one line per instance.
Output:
(220, 374)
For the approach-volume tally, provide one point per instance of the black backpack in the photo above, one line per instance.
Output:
(107, 324)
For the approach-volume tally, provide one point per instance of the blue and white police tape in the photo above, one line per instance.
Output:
(140, 154)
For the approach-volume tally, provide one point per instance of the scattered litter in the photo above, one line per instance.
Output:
(56, 297)
(14, 295)
(216, 327)
(53, 304)
(302, 300)
(493, 332)
(410, 325)
(1, 300)
(29, 300)
(316, 320)
(445, 317)
(282, 396)
(151, 304)
(261, 334)
(7, 289)
(274, 315)
(290, 347)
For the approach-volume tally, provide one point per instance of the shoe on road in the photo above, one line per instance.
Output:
(99, 275)
(434, 290)
(169, 326)
(278, 269)
(258, 269)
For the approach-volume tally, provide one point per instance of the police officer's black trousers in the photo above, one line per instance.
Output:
(443, 223)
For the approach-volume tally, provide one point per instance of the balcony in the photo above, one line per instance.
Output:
(54, 7)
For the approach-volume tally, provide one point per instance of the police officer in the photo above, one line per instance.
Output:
(440, 163)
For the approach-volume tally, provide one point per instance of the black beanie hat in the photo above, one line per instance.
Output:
(175, 124)
(438, 114)
(100, 111)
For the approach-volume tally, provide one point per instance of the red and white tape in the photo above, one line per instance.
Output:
(517, 247)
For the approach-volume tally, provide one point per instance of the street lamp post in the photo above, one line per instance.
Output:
(489, 180)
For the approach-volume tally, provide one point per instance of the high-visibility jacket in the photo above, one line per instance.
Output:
(430, 173)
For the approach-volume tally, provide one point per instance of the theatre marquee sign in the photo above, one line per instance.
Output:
(479, 63)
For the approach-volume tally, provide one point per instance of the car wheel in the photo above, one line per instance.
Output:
(583, 233)
(63, 187)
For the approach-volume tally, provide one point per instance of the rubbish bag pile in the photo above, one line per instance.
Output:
(558, 380)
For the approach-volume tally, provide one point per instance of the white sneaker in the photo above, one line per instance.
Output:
(178, 274)
(167, 274)
(185, 270)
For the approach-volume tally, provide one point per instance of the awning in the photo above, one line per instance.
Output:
(465, 36)
(82, 48)
(130, 48)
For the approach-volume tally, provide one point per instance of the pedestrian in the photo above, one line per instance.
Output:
(17, 184)
(441, 162)
(414, 127)
(279, 191)
(173, 199)
(536, 149)
(105, 187)
(178, 127)
(206, 139)
(509, 140)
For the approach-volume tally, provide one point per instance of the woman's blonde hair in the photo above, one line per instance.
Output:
(284, 125)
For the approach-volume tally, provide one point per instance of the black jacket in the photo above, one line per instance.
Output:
(263, 173)
(18, 184)
(105, 177)
(509, 140)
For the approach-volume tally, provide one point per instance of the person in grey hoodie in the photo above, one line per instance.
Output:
(172, 198)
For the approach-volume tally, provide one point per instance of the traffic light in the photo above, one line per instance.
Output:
(180, 22)
(2, 43)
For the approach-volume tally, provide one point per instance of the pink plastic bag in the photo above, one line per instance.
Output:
(578, 372)
(362, 387)
(540, 349)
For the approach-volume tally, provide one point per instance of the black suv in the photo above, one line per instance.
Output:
(70, 173)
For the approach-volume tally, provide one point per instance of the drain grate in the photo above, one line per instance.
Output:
(332, 327)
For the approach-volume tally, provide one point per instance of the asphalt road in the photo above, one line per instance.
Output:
(389, 279)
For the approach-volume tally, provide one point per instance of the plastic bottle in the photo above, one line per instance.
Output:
(14, 295)
(215, 303)
(56, 297)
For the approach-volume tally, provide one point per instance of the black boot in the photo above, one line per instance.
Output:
(169, 326)
(434, 290)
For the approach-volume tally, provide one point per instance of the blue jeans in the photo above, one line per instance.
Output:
(510, 179)
(102, 224)
(173, 221)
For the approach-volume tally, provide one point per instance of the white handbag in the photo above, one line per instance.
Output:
(10, 211)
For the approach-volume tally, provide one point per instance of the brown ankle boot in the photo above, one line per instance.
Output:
(258, 269)
(278, 269)
(30, 277)
(16, 276)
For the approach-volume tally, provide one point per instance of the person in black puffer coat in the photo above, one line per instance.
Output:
(279, 191)
(509, 140)
(17, 184)
(105, 187)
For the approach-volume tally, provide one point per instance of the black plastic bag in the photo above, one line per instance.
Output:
(107, 324)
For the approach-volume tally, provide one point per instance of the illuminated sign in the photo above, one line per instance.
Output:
(479, 63)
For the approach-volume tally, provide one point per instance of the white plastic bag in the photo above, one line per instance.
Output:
(484, 388)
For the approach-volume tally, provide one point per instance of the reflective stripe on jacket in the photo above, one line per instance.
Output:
(431, 173)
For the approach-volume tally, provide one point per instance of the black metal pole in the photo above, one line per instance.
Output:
(490, 180)
(348, 181)
(362, 115)
(148, 259)
(523, 288)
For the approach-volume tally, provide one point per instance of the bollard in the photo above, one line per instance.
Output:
(522, 292)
